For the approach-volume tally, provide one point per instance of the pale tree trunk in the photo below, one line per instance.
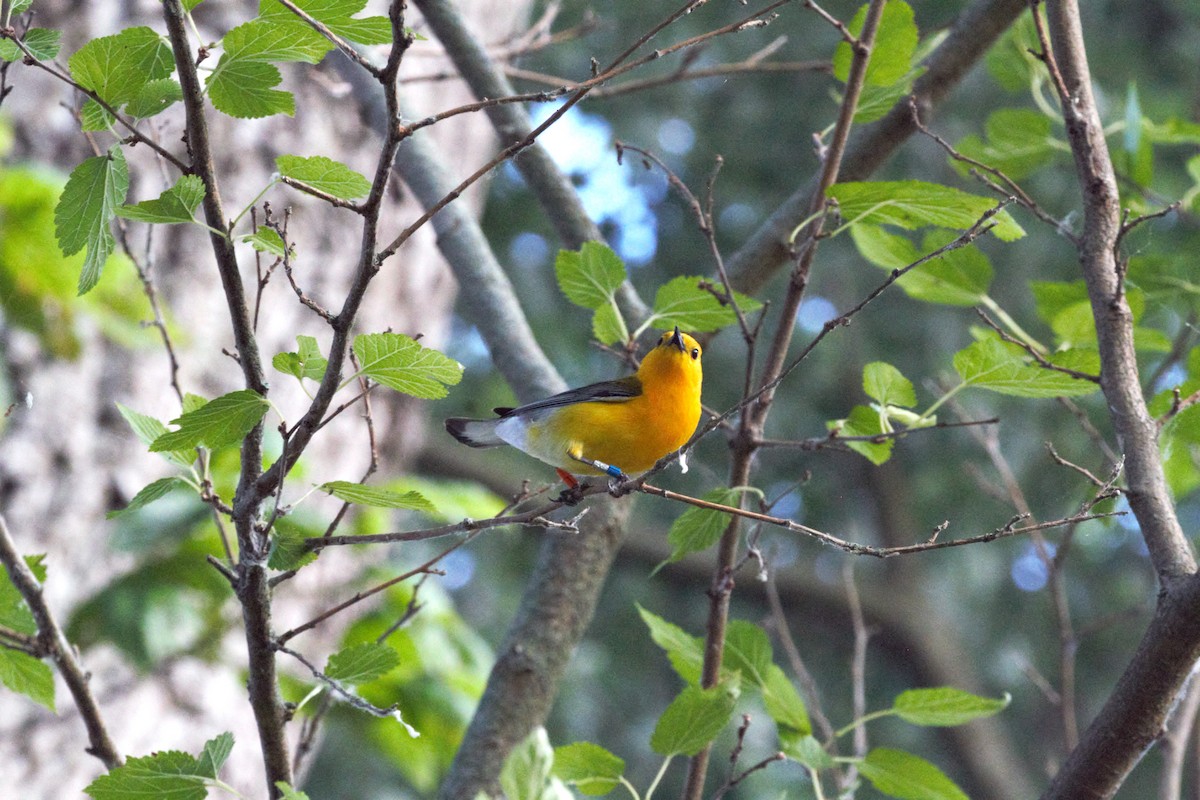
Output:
(67, 457)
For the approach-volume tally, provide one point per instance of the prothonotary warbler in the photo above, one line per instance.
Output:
(608, 428)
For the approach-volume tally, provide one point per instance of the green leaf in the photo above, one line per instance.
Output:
(169, 775)
(876, 101)
(608, 326)
(526, 771)
(306, 362)
(590, 276)
(117, 67)
(864, 421)
(289, 546)
(43, 43)
(886, 384)
(175, 205)
(147, 429)
(682, 302)
(1011, 61)
(592, 769)
(362, 663)
(747, 650)
(748, 653)
(895, 43)
(990, 364)
(14, 613)
(686, 652)
(216, 751)
(908, 777)
(337, 15)
(782, 702)
(363, 495)
(806, 750)
(325, 175)
(218, 423)
(1018, 142)
(266, 240)
(148, 494)
(289, 793)
(697, 528)
(246, 90)
(83, 216)
(400, 363)
(27, 675)
(693, 719)
(960, 277)
(945, 706)
(155, 96)
(917, 204)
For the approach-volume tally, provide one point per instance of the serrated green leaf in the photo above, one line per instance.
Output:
(306, 362)
(608, 326)
(989, 364)
(83, 216)
(266, 240)
(876, 101)
(959, 277)
(693, 719)
(193, 402)
(149, 493)
(805, 750)
(94, 117)
(908, 777)
(14, 613)
(289, 793)
(214, 754)
(363, 495)
(175, 205)
(169, 775)
(362, 663)
(685, 652)
(682, 302)
(218, 423)
(590, 276)
(147, 429)
(246, 90)
(945, 706)
(864, 421)
(526, 771)
(1018, 142)
(43, 44)
(155, 96)
(337, 15)
(697, 528)
(895, 43)
(1011, 61)
(27, 675)
(747, 650)
(783, 702)
(289, 546)
(886, 384)
(400, 363)
(592, 769)
(917, 204)
(265, 40)
(325, 175)
(117, 67)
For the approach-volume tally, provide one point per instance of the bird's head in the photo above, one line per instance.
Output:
(676, 353)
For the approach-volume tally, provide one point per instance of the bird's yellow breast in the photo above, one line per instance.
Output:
(632, 434)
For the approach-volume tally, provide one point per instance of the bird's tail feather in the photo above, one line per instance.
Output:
(474, 432)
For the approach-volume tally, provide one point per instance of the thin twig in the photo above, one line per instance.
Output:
(53, 642)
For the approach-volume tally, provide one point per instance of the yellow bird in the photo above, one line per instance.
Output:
(608, 428)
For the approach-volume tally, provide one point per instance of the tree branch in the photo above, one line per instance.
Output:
(53, 642)
(1135, 713)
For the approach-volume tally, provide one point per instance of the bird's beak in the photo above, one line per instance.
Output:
(677, 340)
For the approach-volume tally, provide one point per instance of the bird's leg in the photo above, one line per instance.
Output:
(615, 476)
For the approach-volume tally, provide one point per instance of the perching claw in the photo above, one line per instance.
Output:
(571, 495)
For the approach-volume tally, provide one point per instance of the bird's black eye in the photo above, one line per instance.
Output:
(695, 353)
